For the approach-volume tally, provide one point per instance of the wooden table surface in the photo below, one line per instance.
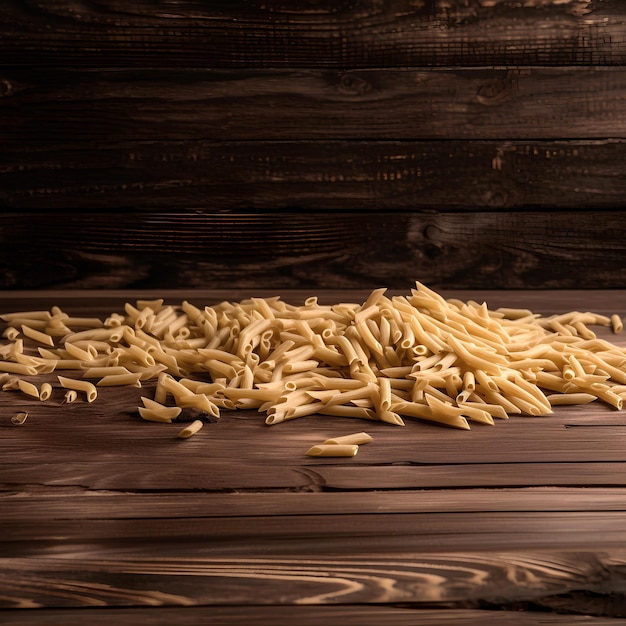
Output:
(105, 517)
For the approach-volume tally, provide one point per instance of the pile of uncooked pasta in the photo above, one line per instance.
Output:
(385, 359)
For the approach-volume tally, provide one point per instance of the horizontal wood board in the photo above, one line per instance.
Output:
(327, 34)
(313, 250)
(103, 512)
(198, 115)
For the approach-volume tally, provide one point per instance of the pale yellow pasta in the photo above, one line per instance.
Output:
(19, 419)
(18, 368)
(151, 415)
(190, 430)
(89, 389)
(199, 401)
(45, 391)
(105, 370)
(418, 356)
(71, 395)
(170, 412)
(332, 450)
(29, 315)
(570, 398)
(11, 333)
(37, 335)
(77, 352)
(113, 380)
(359, 438)
(28, 388)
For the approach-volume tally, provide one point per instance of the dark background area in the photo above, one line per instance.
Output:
(312, 144)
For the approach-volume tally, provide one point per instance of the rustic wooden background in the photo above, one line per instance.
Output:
(312, 144)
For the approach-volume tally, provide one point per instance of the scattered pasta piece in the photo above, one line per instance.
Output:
(28, 388)
(80, 385)
(45, 391)
(353, 439)
(190, 430)
(19, 418)
(333, 450)
(70, 396)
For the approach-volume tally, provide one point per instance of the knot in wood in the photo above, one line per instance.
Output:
(351, 84)
(495, 91)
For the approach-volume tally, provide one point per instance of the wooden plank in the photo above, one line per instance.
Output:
(302, 615)
(315, 175)
(387, 104)
(363, 34)
(73, 505)
(204, 475)
(88, 437)
(170, 573)
(317, 250)
(459, 475)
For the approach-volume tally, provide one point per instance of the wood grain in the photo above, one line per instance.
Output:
(100, 511)
(314, 175)
(327, 34)
(317, 250)
(371, 615)
(296, 104)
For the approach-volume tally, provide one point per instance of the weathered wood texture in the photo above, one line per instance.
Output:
(366, 33)
(196, 115)
(103, 514)
(521, 249)
(319, 175)
(302, 615)
(477, 103)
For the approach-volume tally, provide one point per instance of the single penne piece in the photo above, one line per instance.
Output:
(190, 430)
(30, 315)
(18, 368)
(82, 322)
(469, 381)
(70, 396)
(19, 418)
(352, 439)
(114, 380)
(37, 335)
(382, 394)
(477, 415)
(77, 352)
(570, 398)
(89, 389)
(322, 450)
(390, 417)
(106, 370)
(45, 391)
(347, 410)
(28, 388)
(11, 333)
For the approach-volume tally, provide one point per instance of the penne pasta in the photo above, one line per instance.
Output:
(333, 450)
(89, 389)
(190, 430)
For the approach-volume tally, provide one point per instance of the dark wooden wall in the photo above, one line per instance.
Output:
(312, 143)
